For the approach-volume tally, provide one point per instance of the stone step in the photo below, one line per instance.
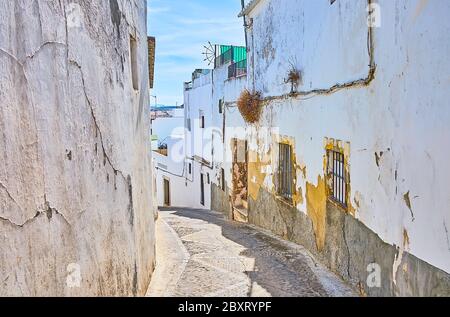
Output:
(240, 214)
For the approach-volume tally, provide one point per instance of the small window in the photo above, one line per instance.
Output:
(134, 63)
(285, 172)
(208, 179)
(336, 174)
(202, 122)
(190, 168)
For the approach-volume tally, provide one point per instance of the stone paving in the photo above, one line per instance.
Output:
(201, 254)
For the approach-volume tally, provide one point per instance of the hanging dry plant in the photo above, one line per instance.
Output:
(294, 77)
(249, 105)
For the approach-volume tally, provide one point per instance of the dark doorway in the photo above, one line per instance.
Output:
(240, 180)
(166, 193)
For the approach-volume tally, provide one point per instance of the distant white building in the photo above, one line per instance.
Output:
(206, 99)
(168, 154)
(348, 156)
(203, 172)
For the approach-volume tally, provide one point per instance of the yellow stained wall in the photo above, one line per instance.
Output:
(264, 167)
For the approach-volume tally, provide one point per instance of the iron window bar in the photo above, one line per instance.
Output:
(337, 174)
(285, 172)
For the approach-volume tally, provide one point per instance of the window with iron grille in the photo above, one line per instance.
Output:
(221, 106)
(336, 174)
(134, 63)
(286, 172)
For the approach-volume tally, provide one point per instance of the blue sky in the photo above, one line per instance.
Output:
(182, 28)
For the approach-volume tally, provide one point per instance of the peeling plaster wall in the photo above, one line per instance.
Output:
(75, 170)
(396, 126)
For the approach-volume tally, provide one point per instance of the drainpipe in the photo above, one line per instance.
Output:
(245, 23)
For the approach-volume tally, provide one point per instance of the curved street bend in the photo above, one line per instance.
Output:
(201, 254)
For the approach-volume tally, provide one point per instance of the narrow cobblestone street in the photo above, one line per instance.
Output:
(201, 254)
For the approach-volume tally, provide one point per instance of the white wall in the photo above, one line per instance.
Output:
(75, 173)
(404, 113)
(198, 100)
(176, 174)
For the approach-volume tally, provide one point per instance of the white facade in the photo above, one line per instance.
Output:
(170, 131)
(394, 126)
(204, 151)
(228, 91)
(199, 138)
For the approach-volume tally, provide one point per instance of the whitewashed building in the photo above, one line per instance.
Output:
(355, 166)
(168, 137)
(207, 99)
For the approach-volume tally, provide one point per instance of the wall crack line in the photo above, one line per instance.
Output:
(20, 225)
(346, 244)
(11, 56)
(97, 127)
(47, 210)
(9, 195)
(39, 49)
(447, 236)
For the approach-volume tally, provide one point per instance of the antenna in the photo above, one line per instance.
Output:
(209, 54)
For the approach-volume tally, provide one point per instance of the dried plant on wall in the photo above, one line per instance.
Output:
(294, 78)
(249, 105)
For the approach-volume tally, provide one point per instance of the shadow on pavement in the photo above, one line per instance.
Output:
(280, 270)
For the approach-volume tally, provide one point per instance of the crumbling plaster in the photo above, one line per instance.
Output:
(395, 122)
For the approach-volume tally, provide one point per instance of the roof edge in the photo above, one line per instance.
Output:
(249, 8)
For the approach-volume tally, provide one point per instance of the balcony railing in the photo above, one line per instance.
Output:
(229, 54)
(188, 86)
(237, 69)
(199, 73)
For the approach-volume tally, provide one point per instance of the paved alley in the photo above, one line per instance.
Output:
(201, 254)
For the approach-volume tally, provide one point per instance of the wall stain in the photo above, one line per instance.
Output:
(420, 7)
(406, 240)
(378, 157)
(255, 174)
(316, 201)
(116, 16)
(407, 200)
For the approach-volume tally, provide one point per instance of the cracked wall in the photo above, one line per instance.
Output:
(75, 174)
